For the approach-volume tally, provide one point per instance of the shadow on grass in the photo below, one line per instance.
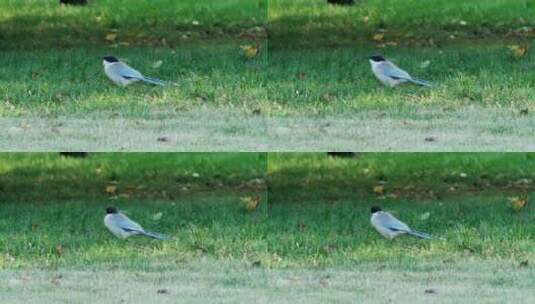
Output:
(42, 178)
(162, 23)
(303, 178)
(307, 24)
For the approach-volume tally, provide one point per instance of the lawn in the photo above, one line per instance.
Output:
(303, 23)
(72, 83)
(44, 23)
(310, 80)
(42, 177)
(309, 240)
(463, 198)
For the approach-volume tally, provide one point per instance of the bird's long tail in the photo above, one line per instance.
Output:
(419, 234)
(155, 235)
(421, 82)
(153, 81)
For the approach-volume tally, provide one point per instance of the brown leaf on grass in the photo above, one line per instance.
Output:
(379, 37)
(111, 189)
(111, 37)
(59, 250)
(518, 51)
(250, 51)
(251, 203)
(518, 203)
(379, 189)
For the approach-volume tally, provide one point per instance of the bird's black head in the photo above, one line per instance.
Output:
(377, 58)
(376, 209)
(111, 210)
(110, 59)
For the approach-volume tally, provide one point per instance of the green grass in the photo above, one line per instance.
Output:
(31, 23)
(52, 56)
(408, 175)
(330, 93)
(339, 81)
(312, 22)
(310, 239)
(52, 82)
(315, 233)
(468, 282)
(73, 234)
(311, 80)
(59, 201)
(316, 250)
(325, 205)
(315, 212)
(40, 178)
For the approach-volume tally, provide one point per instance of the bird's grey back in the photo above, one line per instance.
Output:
(124, 70)
(124, 222)
(390, 69)
(389, 221)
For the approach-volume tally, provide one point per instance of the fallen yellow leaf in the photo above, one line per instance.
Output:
(379, 37)
(251, 203)
(379, 189)
(111, 189)
(250, 51)
(518, 51)
(111, 37)
(518, 203)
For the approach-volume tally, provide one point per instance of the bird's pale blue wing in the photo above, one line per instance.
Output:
(392, 223)
(125, 223)
(126, 71)
(395, 72)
